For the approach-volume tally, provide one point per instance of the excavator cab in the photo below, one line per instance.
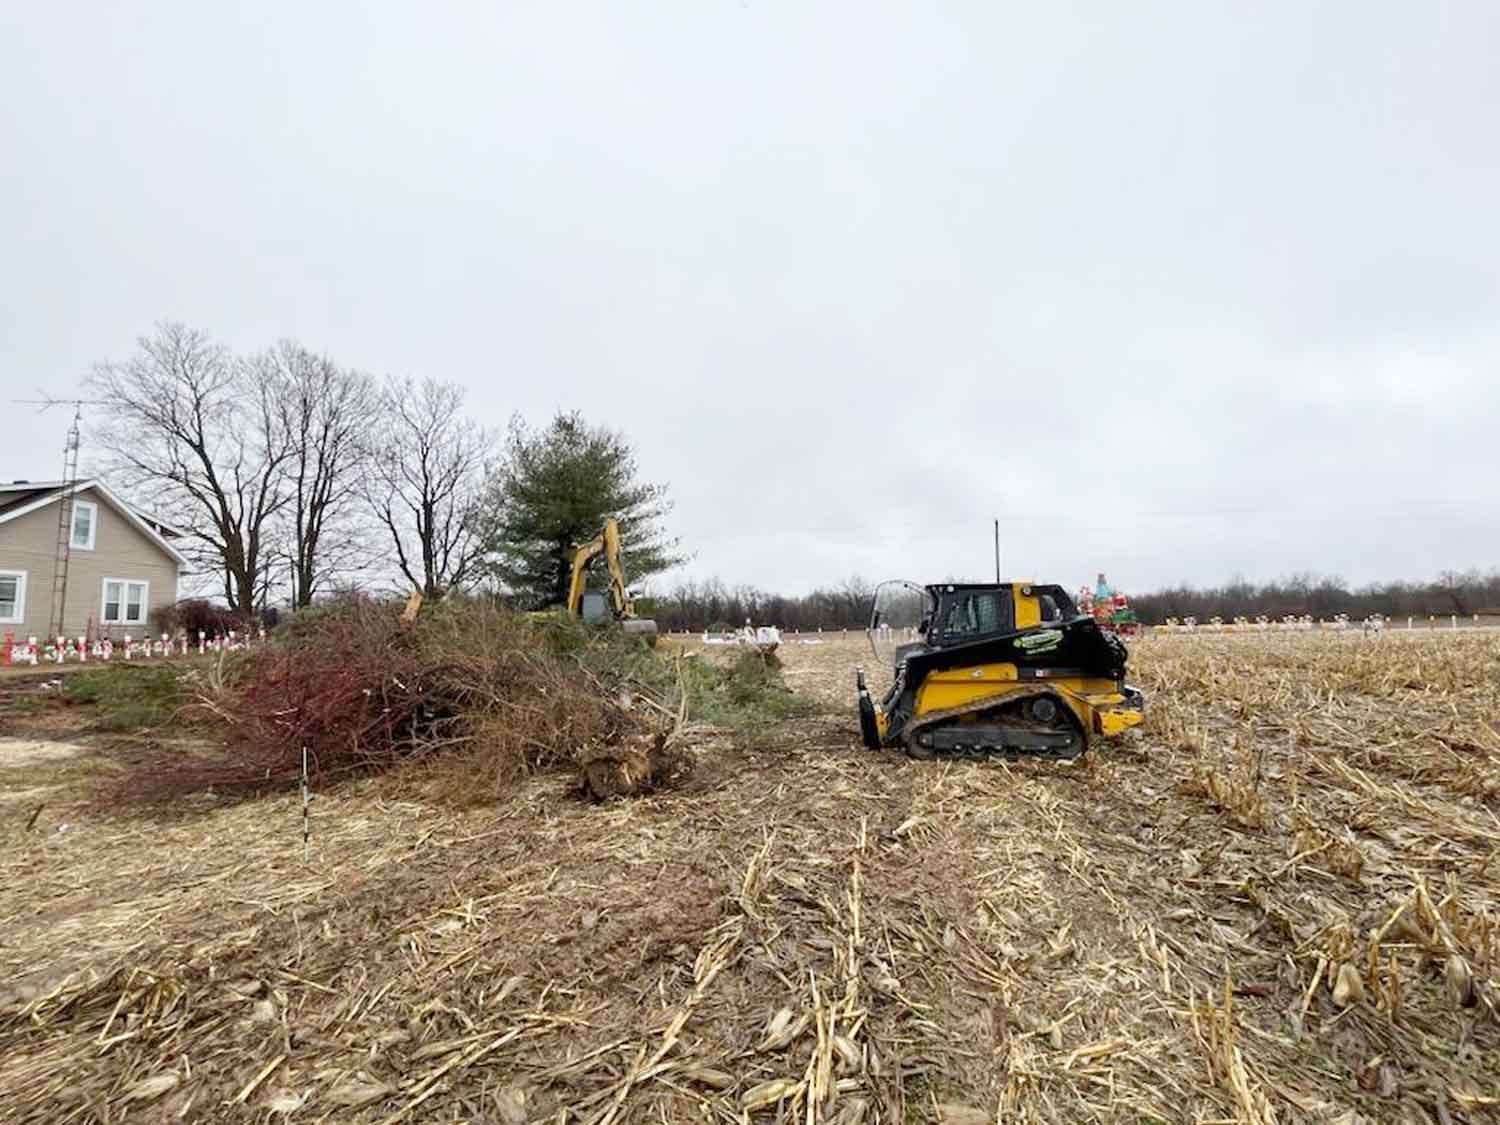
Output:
(976, 669)
(594, 608)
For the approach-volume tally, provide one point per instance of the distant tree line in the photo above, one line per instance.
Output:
(711, 604)
(1461, 592)
(292, 477)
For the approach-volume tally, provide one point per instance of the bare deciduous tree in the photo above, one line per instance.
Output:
(425, 480)
(327, 413)
(199, 433)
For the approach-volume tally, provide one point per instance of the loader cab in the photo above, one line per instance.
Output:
(967, 613)
(907, 619)
(970, 612)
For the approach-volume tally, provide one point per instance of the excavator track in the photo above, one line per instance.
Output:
(952, 732)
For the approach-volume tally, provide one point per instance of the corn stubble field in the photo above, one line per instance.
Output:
(1276, 902)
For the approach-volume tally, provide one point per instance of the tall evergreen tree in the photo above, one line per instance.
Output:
(551, 494)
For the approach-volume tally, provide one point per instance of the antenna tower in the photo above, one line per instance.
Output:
(65, 507)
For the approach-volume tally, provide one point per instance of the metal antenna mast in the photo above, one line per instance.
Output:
(65, 508)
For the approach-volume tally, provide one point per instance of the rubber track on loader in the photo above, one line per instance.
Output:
(1006, 699)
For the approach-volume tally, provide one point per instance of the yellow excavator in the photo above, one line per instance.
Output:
(594, 606)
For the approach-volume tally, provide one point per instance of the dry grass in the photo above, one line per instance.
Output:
(1278, 903)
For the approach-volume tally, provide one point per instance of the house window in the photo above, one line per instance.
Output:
(12, 596)
(124, 602)
(85, 520)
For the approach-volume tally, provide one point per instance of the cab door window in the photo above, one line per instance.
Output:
(976, 614)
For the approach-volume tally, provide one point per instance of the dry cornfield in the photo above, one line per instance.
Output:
(1276, 902)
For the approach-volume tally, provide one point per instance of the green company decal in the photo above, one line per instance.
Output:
(1045, 641)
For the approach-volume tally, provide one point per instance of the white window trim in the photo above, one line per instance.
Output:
(93, 524)
(124, 600)
(20, 615)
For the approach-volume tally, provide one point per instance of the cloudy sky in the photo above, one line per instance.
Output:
(1175, 290)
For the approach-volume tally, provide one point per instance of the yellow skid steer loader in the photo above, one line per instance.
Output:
(1011, 668)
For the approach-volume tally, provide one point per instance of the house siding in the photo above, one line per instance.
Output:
(121, 550)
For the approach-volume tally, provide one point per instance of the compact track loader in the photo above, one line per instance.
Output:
(1012, 668)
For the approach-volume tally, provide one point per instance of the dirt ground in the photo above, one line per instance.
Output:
(1276, 902)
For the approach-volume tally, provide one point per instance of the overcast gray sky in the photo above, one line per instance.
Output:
(1176, 290)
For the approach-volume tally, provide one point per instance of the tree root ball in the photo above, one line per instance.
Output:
(638, 765)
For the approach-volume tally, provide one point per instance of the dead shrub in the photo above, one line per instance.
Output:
(195, 615)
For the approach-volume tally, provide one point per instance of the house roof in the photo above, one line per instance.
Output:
(23, 485)
(21, 497)
(12, 498)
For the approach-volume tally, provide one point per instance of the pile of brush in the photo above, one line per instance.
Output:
(479, 693)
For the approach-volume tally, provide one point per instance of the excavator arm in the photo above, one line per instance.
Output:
(606, 543)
